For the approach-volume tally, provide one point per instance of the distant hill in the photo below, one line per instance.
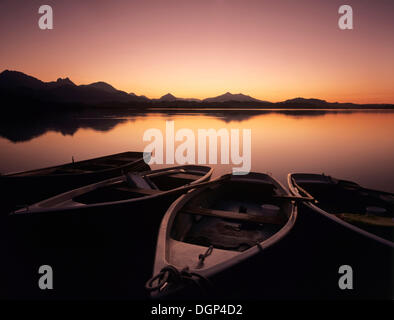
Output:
(168, 97)
(17, 88)
(303, 101)
(232, 97)
(60, 82)
(61, 91)
(102, 86)
(15, 79)
(171, 98)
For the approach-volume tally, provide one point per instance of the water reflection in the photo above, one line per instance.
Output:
(352, 145)
(23, 129)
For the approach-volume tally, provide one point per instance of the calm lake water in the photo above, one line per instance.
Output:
(354, 145)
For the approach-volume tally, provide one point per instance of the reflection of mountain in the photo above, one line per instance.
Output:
(19, 91)
(24, 129)
(242, 115)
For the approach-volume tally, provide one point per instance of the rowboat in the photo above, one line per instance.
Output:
(213, 228)
(125, 190)
(31, 186)
(365, 211)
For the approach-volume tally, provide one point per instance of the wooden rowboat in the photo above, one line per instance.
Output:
(218, 226)
(31, 186)
(126, 190)
(365, 211)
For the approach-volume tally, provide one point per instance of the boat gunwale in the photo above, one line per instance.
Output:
(36, 208)
(361, 187)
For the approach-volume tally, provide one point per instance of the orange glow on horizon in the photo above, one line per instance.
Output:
(271, 50)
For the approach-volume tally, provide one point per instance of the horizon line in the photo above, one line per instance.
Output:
(199, 99)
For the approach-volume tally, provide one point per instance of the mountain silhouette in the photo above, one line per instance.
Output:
(171, 98)
(60, 82)
(232, 97)
(29, 93)
(140, 98)
(102, 86)
(305, 102)
(168, 97)
(18, 85)
(16, 79)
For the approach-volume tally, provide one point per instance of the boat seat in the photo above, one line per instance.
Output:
(221, 242)
(151, 183)
(234, 215)
(135, 180)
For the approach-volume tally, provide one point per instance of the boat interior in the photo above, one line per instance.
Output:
(233, 215)
(136, 185)
(341, 196)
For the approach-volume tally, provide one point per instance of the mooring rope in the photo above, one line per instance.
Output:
(201, 257)
(171, 275)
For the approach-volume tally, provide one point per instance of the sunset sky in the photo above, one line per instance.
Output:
(272, 50)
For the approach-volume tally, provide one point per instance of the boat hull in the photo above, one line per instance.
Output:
(223, 265)
(107, 225)
(296, 190)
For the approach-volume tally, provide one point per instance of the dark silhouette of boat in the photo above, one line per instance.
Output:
(125, 191)
(26, 187)
(365, 211)
(218, 226)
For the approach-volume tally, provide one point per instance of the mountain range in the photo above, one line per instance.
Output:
(19, 88)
